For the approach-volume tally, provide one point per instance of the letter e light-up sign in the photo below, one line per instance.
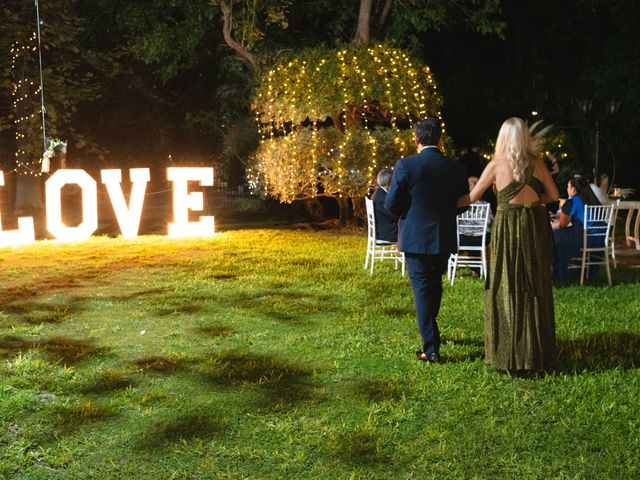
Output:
(183, 201)
(128, 217)
(23, 235)
(53, 191)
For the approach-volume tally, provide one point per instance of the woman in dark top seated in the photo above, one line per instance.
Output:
(568, 233)
(386, 222)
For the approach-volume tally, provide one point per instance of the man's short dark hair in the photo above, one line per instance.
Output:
(384, 177)
(428, 131)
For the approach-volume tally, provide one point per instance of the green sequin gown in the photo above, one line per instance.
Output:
(519, 319)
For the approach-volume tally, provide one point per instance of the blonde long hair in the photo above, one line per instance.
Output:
(519, 145)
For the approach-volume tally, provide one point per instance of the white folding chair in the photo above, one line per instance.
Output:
(596, 239)
(379, 249)
(471, 224)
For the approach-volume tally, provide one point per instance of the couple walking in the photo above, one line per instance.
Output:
(428, 190)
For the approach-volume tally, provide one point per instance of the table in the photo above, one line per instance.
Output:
(633, 207)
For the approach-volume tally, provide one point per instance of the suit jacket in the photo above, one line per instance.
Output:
(423, 193)
(386, 222)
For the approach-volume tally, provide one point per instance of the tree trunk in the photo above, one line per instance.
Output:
(358, 210)
(314, 209)
(364, 23)
(227, 26)
(343, 204)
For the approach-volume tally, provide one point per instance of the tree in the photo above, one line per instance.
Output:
(67, 78)
(331, 119)
(368, 93)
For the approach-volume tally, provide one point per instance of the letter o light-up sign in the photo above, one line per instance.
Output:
(53, 191)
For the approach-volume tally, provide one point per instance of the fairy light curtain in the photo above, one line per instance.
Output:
(28, 100)
(331, 120)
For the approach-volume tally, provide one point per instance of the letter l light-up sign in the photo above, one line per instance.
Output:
(23, 235)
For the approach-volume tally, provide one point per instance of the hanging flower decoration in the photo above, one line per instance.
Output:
(54, 146)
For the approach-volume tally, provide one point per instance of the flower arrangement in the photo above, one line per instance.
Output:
(54, 146)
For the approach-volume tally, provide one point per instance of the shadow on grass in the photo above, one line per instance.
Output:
(395, 312)
(599, 351)
(284, 385)
(216, 331)
(108, 381)
(360, 447)
(175, 307)
(382, 389)
(36, 313)
(183, 428)
(161, 364)
(624, 274)
(65, 350)
(285, 306)
(69, 418)
(472, 350)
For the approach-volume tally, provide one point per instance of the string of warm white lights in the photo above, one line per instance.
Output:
(25, 95)
(372, 96)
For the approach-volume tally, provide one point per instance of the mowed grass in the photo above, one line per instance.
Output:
(273, 354)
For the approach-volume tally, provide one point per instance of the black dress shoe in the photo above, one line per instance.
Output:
(428, 357)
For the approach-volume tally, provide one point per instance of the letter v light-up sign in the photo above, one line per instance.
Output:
(89, 189)
(183, 201)
(23, 235)
(128, 218)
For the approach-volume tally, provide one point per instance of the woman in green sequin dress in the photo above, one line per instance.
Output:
(518, 307)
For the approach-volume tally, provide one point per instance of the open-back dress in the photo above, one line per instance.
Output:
(519, 319)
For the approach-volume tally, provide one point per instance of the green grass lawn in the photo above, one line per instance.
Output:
(273, 354)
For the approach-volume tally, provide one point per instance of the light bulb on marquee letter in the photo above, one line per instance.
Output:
(89, 189)
(23, 235)
(183, 201)
(128, 218)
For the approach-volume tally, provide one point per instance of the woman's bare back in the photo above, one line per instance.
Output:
(504, 177)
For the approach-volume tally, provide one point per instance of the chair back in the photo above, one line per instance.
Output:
(598, 221)
(371, 220)
(473, 222)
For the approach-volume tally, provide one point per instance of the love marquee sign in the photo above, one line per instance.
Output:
(127, 215)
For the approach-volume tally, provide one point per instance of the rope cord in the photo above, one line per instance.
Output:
(42, 107)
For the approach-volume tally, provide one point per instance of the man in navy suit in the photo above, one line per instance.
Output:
(423, 193)
(386, 222)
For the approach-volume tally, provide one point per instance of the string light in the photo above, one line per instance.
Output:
(373, 96)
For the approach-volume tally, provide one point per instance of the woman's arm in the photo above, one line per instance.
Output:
(565, 220)
(486, 180)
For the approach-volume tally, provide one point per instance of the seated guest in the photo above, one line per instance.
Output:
(587, 174)
(386, 222)
(567, 234)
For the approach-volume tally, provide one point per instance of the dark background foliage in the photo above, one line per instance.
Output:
(133, 82)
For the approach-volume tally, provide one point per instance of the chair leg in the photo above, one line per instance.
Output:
(402, 260)
(613, 255)
(453, 268)
(582, 267)
(483, 270)
(373, 260)
(606, 263)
